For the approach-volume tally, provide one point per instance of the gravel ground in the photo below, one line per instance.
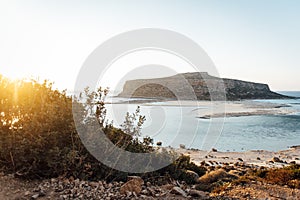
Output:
(13, 188)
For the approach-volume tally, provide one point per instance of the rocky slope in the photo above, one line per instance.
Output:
(12, 188)
(202, 84)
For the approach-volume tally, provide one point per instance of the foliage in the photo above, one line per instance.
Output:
(285, 176)
(38, 137)
(178, 170)
(36, 131)
(133, 123)
(289, 175)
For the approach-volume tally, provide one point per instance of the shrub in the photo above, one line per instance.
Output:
(289, 175)
(38, 137)
(178, 170)
(279, 176)
(37, 132)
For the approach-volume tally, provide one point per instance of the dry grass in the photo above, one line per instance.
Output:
(214, 176)
(289, 176)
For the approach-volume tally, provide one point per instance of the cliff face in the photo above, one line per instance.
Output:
(182, 84)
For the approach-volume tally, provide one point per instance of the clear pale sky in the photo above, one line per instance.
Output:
(253, 40)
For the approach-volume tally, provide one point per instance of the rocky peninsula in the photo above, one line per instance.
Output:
(202, 85)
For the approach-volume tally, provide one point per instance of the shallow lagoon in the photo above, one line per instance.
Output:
(175, 125)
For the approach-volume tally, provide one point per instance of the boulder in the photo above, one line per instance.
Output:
(276, 159)
(159, 143)
(134, 185)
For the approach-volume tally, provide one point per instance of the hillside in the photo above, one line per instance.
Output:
(199, 81)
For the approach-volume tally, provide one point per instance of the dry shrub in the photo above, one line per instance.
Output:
(219, 189)
(294, 183)
(289, 175)
(279, 176)
(216, 175)
(243, 180)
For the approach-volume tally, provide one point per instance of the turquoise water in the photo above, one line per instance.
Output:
(175, 125)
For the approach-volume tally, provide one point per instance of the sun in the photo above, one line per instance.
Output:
(13, 74)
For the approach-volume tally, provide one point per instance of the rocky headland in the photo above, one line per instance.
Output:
(202, 84)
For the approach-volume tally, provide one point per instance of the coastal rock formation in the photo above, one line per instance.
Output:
(202, 85)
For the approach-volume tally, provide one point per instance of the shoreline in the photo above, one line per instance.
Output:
(255, 158)
(217, 109)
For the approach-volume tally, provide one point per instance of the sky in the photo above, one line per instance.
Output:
(253, 40)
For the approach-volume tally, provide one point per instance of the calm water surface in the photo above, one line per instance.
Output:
(175, 125)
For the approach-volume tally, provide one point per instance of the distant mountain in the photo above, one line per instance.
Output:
(180, 85)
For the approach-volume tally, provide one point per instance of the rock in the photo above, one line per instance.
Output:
(192, 174)
(179, 191)
(133, 185)
(227, 168)
(293, 162)
(144, 192)
(276, 159)
(27, 193)
(182, 146)
(258, 158)
(53, 180)
(42, 193)
(159, 143)
(214, 150)
(235, 172)
(35, 196)
(151, 191)
(197, 193)
(239, 159)
(93, 184)
(167, 187)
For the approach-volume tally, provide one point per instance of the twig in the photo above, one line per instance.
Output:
(12, 160)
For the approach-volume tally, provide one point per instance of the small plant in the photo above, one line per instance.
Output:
(133, 123)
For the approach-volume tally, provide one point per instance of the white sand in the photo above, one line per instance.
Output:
(209, 109)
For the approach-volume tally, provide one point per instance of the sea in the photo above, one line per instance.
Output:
(177, 126)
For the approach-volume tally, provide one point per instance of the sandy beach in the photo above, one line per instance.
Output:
(214, 109)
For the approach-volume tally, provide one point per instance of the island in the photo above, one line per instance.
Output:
(199, 81)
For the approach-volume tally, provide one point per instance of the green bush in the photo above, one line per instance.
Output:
(178, 170)
(36, 130)
(38, 138)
